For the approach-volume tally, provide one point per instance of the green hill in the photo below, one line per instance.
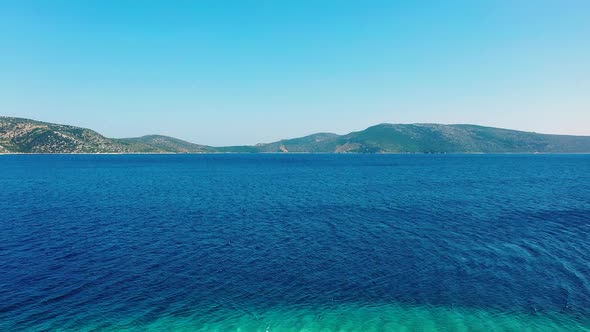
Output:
(431, 138)
(160, 144)
(28, 136)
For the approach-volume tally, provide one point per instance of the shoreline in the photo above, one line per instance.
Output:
(291, 153)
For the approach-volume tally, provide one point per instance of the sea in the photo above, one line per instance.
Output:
(295, 242)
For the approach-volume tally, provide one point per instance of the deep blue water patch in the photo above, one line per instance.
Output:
(125, 241)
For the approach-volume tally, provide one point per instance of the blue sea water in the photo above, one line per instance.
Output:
(295, 242)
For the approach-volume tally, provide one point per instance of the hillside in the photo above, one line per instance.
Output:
(431, 138)
(160, 144)
(29, 136)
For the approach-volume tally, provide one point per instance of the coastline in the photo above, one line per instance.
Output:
(292, 153)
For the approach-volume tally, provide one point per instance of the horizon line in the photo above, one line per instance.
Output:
(302, 136)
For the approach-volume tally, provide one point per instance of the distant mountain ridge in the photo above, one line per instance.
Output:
(19, 135)
(160, 143)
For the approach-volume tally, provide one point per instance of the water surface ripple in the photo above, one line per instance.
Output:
(295, 242)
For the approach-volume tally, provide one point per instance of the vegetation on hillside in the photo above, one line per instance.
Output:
(29, 136)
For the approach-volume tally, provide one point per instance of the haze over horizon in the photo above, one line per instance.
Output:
(224, 73)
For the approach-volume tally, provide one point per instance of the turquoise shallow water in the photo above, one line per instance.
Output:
(295, 243)
(350, 317)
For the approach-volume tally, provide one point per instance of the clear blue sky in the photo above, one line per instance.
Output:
(241, 72)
